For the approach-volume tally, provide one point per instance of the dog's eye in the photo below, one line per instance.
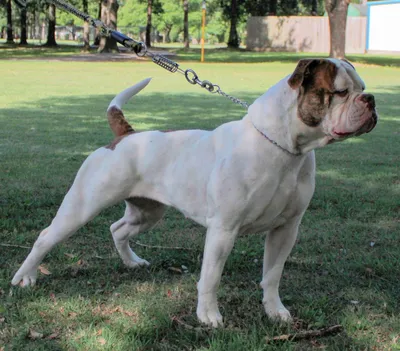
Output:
(342, 93)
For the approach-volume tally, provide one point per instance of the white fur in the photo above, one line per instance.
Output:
(123, 97)
(230, 180)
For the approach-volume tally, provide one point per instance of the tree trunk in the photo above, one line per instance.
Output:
(167, 38)
(97, 33)
(51, 30)
(272, 7)
(314, 7)
(24, 37)
(186, 23)
(109, 10)
(32, 26)
(10, 37)
(233, 41)
(86, 44)
(38, 28)
(337, 13)
(148, 25)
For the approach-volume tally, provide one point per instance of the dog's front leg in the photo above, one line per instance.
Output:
(219, 243)
(278, 244)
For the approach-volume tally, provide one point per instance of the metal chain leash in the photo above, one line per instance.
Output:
(140, 49)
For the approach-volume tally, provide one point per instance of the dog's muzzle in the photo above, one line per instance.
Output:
(368, 101)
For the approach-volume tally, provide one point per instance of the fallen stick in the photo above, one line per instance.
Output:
(163, 247)
(19, 246)
(136, 242)
(306, 334)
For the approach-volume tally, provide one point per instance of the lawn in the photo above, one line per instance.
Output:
(344, 269)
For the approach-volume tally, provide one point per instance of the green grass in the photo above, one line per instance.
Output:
(52, 115)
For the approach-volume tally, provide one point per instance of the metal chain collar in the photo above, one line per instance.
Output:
(297, 153)
(140, 49)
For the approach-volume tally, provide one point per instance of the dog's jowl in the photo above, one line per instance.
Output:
(256, 175)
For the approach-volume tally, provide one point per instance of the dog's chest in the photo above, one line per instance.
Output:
(276, 206)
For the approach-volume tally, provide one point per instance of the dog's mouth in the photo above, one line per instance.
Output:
(341, 134)
(366, 127)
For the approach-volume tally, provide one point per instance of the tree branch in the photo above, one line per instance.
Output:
(164, 247)
(19, 246)
(306, 334)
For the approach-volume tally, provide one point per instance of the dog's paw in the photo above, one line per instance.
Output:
(25, 279)
(280, 314)
(210, 318)
(207, 311)
(136, 263)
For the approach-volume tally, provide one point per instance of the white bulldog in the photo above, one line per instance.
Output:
(252, 175)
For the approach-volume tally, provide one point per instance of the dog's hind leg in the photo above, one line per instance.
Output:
(140, 214)
(84, 201)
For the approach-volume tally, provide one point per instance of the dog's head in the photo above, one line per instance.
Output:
(331, 97)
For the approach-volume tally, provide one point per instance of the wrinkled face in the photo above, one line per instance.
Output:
(331, 97)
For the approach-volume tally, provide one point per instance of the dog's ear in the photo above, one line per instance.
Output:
(349, 63)
(303, 68)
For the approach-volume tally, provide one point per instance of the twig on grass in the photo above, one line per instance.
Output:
(181, 323)
(306, 334)
(136, 242)
(164, 247)
(19, 246)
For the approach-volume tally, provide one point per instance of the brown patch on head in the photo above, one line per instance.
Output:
(119, 125)
(315, 80)
(296, 79)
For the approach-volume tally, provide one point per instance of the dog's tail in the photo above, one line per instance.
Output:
(119, 125)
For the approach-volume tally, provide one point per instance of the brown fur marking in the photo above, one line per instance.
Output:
(119, 125)
(296, 79)
(317, 85)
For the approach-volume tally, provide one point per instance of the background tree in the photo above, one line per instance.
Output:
(86, 44)
(23, 10)
(259, 7)
(97, 37)
(23, 40)
(51, 29)
(284, 7)
(314, 7)
(109, 11)
(233, 11)
(132, 17)
(186, 24)
(10, 36)
(273, 7)
(148, 24)
(169, 18)
(337, 13)
(233, 41)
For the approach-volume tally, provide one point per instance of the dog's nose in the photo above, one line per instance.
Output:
(368, 99)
